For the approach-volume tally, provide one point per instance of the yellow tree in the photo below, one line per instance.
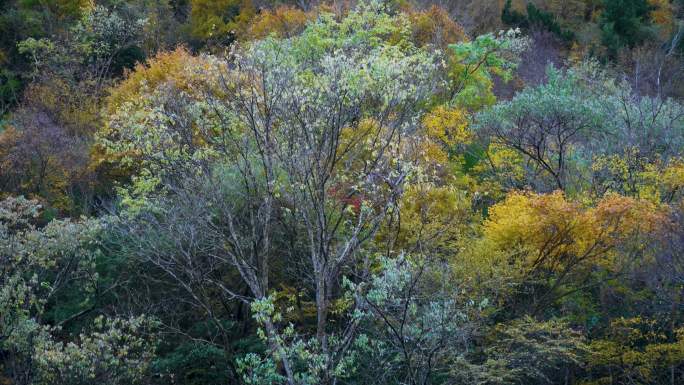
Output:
(283, 22)
(433, 222)
(174, 79)
(548, 245)
(444, 130)
(434, 26)
(658, 180)
(663, 15)
(637, 350)
(219, 20)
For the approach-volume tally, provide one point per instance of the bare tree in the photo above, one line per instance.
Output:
(656, 69)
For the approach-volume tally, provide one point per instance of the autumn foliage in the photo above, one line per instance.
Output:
(202, 192)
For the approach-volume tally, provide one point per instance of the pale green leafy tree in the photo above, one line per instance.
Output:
(579, 114)
(419, 323)
(316, 130)
(89, 48)
(547, 125)
(314, 135)
(325, 118)
(38, 265)
(413, 327)
(473, 65)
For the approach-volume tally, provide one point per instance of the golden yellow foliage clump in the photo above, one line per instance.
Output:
(179, 67)
(434, 26)
(553, 230)
(220, 19)
(663, 15)
(283, 22)
(444, 128)
(179, 70)
(672, 178)
(502, 169)
(662, 183)
(434, 220)
(448, 126)
(636, 348)
(632, 174)
(549, 239)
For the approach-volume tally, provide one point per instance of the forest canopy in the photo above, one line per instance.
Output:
(465, 192)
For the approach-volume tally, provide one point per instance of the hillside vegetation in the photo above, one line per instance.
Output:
(372, 192)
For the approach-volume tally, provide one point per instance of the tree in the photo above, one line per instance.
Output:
(435, 26)
(421, 325)
(545, 124)
(39, 157)
(20, 20)
(535, 18)
(283, 22)
(41, 270)
(545, 247)
(166, 87)
(651, 124)
(528, 351)
(473, 64)
(433, 221)
(623, 23)
(219, 21)
(53, 128)
(637, 349)
(88, 52)
(314, 130)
